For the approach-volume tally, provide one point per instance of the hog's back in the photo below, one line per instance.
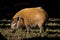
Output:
(32, 15)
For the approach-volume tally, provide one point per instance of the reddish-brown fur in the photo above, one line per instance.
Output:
(31, 17)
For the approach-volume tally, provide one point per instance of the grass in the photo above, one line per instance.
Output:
(20, 34)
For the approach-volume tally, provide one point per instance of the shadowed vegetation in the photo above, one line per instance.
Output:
(51, 31)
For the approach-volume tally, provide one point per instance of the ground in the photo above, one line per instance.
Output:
(52, 30)
(20, 34)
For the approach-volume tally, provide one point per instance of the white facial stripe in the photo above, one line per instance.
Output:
(12, 26)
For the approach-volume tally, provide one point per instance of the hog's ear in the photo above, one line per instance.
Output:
(18, 18)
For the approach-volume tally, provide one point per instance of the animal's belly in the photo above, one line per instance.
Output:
(33, 25)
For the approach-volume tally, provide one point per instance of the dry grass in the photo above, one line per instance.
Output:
(20, 34)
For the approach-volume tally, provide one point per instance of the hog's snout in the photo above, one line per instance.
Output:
(13, 28)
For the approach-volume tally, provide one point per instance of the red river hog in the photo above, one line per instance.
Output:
(29, 17)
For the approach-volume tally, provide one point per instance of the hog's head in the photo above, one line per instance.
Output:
(16, 23)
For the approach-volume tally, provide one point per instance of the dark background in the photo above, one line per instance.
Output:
(9, 7)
